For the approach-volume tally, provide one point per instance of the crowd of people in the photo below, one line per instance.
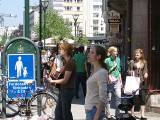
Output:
(92, 70)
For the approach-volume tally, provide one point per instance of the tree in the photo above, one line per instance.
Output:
(3, 41)
(55, 26)
(17, 33)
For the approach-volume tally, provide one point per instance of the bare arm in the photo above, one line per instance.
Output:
(120, 80)
(100, 107)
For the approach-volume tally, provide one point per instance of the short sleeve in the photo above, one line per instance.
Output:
(70, 66)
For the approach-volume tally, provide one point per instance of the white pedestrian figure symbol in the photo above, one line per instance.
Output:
(25, 72)
(19, 66)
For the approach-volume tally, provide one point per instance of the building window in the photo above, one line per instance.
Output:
(102, 28)
(95, 14)
(68, 8)
(78, 8)
(95, 8)
(95, 22)
(68, 1)
(95, 28)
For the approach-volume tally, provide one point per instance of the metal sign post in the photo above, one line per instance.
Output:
(20, 59)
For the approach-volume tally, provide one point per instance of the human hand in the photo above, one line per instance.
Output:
(109, 82)
(131, 72)
(146, 75)
(49, 78)
(121, 85)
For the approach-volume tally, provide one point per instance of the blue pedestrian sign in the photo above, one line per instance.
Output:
(21, 66)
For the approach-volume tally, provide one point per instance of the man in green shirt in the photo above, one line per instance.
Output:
(82, 74)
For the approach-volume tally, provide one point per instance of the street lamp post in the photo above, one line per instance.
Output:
(78, 29)
(75, 17)
(44, 6)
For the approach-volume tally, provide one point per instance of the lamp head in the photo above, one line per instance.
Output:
(75, 17)
(45, 4)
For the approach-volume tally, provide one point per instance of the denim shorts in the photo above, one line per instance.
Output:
(91, 113)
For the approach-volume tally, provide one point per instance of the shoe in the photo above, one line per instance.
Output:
(109, 118)
(143, 118)
(77, 97)
(118, 118)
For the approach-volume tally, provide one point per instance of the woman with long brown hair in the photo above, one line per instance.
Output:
(96, 85)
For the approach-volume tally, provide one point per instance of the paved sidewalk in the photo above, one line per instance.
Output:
(78, 110)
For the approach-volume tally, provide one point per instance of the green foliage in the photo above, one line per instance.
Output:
(3, 41)
(55, 26)
(81, 39)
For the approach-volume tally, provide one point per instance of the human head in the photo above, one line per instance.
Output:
(68, 48)
(88, 50)
(139, 53)
(43, 52)
(81, 49)
(111, 50)
(97, 53)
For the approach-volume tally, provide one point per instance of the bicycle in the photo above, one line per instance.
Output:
(42, 101)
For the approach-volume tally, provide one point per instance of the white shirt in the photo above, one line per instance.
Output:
(59, 63)
(96, 89)
(44, 58)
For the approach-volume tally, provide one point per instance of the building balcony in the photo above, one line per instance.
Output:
(118, 5)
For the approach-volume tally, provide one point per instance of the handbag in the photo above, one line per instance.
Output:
(111, 79)
(132, 84)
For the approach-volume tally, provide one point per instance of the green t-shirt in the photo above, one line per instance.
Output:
(110, 63)
(80, 60)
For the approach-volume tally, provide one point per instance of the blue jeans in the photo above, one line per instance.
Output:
(63, 108)
(80, 78)
(91, 113)
(115, 89)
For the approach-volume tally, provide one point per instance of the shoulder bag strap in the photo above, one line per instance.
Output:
(63, 68)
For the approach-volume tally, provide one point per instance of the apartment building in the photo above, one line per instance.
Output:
(87, 15)
(99, 26)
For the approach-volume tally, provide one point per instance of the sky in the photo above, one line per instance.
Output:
(16, 7)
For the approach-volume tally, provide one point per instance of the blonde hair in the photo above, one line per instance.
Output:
(110, 50)
(142, 60)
